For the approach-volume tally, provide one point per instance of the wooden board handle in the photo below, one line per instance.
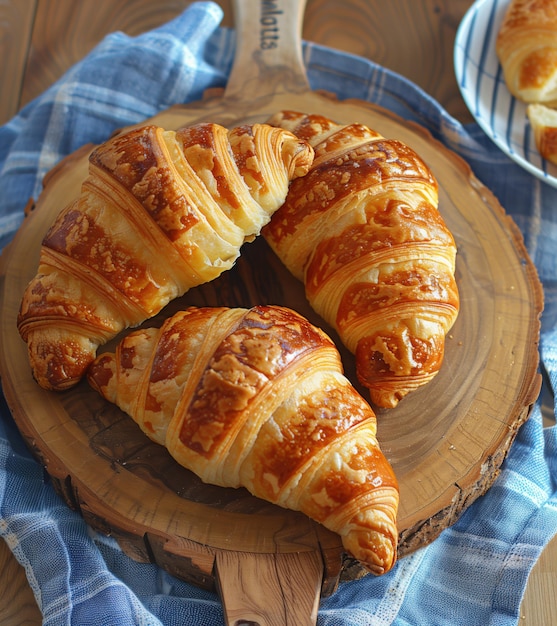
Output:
(281, 589)
(268, 57)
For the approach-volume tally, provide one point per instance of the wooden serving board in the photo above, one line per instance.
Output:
(445, 441)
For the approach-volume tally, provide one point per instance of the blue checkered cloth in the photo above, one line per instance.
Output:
(476, 571)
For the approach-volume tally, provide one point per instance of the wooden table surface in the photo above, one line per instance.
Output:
(40, 39)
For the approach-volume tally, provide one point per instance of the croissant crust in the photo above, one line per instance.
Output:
(543, 121)
(363, 232)
(257, 398)
(159, 213)
(526, 46)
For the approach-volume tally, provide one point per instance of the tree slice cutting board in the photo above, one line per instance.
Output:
(445, 441)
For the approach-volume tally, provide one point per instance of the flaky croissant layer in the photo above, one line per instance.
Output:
(363, 231)
(257, 398)
(159, 213)
(526, 46)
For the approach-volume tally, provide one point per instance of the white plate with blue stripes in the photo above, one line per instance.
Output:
(481, 83)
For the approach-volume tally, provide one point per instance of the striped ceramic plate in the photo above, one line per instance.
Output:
(483, 88)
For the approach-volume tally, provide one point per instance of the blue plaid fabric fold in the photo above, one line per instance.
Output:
(476, 571)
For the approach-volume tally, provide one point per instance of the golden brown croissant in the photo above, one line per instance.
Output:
(543, 121)
(526, 46)
(159, 213)
(363, 232)
(257, 398)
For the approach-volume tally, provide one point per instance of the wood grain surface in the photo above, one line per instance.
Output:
(41, 39)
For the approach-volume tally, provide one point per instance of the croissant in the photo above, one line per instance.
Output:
(526, 46)
(159, 213)
(363, 231)
(257, 398)
(543, 121)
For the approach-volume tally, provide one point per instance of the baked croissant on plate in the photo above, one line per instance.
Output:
(159, 213)
(543, 121)
(526, 46)
(363, 231)
(257, 398)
